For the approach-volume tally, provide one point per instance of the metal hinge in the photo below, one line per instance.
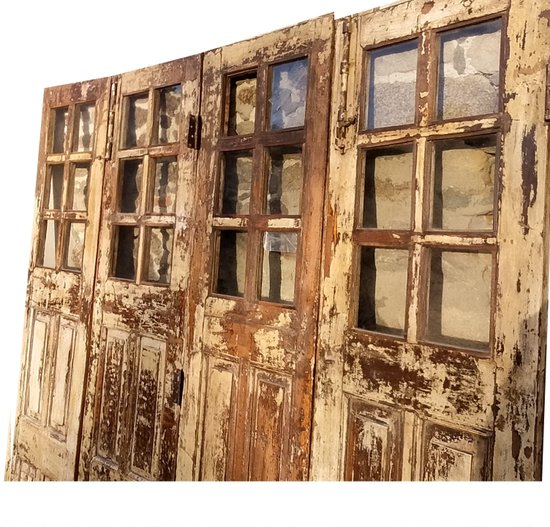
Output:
(111, 121)
(194, 132)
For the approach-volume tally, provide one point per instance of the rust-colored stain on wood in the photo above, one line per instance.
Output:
(317, 254)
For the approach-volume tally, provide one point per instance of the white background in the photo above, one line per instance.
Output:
(57, 42)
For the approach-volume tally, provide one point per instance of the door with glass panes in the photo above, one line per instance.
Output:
(430, 332)
(135, 379)
(61, 280)
(256, 257)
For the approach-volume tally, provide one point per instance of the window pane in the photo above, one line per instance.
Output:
(48, 247)
(135, 120)
(391, 96)
(284, 187)
(242, 105)
(54, 187)
(59, 129)
(131, 172)
(236, 184)
(168, 106)
(165, 181)
(279, 266)
(125, 252)
(387, 197)
(464, 184)
(383, 290)
(469, 71)
(288, 94)
(231, 264)
(159, 243)
(78, 187)
(460, 298)
(84, 128)
(75, 245)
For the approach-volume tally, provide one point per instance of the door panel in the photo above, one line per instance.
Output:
(257, 249)
(139, 326)
(61, 280)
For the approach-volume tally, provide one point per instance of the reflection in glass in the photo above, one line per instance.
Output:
(78, 187)
(284, 187)
(387, 199)
(469, 71)
(242, 105)
(279, 266)
(288, 94)
(459, 300)
(125, 252)
(59, 129)
(165, 180)
(135, 120)
(84, 127)
(383, 290)
(75, 245)
(48, 244)
(159, 250)
(55, 187)
(131, 172)
(236, 182)
(391, 96)
(231, 264)
(463, 174)
(168, 107)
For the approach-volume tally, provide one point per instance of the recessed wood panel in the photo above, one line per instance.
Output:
(219, 417)
(453, 455)
(373, 444)
(148, 405)
(35, 364)
(61, 374)
(270, 404)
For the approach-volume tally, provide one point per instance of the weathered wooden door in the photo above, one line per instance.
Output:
(135, 380)
(248, 398)
(60, 288)
(431, 340)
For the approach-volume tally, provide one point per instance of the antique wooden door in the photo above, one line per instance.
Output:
(432, 320)
(60, 287)
(135, 380)
(248, 398)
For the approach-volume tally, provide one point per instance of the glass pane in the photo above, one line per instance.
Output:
(383, 290)
(279, 266)
(54, 187)
(391, 97)
(131, 172)
(159, 250)
(387, 198)
(48, 247)
(469, 72)
(168, 106)
(75, 245)
(59, 129)
(78, 187)
(460, 298)
(242, 105)
(135, 120)
(464, 184)
(165, 181)
(284, 188)
(236, 182)
(231, 264)
(288, 94)
(125, 252)
(84, 128)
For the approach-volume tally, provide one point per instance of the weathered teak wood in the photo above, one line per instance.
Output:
(249, 392)
(406, 408)
(59, 301)
(133, 401)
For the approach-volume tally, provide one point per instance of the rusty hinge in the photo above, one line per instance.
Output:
(194, 132)
(111, 121)
(547, 105)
